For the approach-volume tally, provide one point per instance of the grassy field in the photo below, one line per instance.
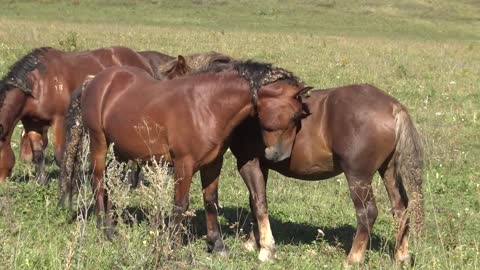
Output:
(426, 53)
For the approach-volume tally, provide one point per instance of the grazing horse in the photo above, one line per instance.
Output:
(156, 59)
(357, 130)
(69, 168)
(187, 121)
(37, 90)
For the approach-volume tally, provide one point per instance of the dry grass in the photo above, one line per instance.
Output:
(437, 79)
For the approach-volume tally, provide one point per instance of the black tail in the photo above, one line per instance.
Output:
(408, 160)
(72, 158)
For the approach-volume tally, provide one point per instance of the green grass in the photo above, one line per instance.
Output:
(425, 53)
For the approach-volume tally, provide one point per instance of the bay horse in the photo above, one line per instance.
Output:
(69, 178)
(36, 90)
(357, 130)
(187, 121)
(154, 58)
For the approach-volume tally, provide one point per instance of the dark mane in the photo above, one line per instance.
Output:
(17, 76)
(256, 73)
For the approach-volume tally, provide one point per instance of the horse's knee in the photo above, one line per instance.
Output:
(38, 157)
(58, 155)
(367, 214)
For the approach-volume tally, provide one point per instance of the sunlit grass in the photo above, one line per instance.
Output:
(437, 76)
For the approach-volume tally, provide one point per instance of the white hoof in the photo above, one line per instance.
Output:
(403, 259)
(266, 255)
(352, 260)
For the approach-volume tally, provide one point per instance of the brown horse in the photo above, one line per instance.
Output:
(357, 130)
(37, 92)
(154, 58)
(187, 121)
(69, 170)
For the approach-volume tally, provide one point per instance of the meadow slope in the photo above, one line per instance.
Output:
(426, 53)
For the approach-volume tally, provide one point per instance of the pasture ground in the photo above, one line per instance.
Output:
(426, 53)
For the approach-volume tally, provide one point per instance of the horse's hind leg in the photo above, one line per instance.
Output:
(366, 210)
(210, 175)
(398, 198)
(98, 154)
(183, 179)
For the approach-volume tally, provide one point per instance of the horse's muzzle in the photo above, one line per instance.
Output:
(277, 153)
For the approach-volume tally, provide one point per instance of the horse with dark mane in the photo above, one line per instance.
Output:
(356, 130)
(69, 179)
(37, 90)
(187, 121)
(156, 59)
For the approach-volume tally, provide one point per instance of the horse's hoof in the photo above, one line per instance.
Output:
(221, 253)
(266, 255)
(42, 179)
(111, 234)
(403, 260)
(219, 248)
(352, 260)
(250, 245)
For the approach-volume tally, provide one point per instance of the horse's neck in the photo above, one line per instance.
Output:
(232, 106)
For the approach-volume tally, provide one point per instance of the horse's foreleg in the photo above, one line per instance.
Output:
(210, 175)
(183, 179)
(36, 142)
(7, 160)
(26, 153)
(255, 178)
(366, 210)
(399, 200)
(58, 130)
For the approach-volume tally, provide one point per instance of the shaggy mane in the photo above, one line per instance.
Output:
(256, 73)
(17, 76)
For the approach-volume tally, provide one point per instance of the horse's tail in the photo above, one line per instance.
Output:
(408, 160)
(73, 146)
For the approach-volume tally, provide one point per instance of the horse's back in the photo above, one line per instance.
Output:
(103, 89)
(156, 58)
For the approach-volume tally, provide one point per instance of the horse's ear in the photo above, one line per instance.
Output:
(9, 81)
(181, 62)
(305, 92)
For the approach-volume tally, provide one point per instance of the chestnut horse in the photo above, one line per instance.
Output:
(187, 121)
(36, 91)
(357, 130)
(69, 169)
(154, 58)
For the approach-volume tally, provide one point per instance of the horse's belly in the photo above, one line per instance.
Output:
(139, 142)
(321, 162)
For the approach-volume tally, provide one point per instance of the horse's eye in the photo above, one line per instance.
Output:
(296, 116)
(268, 129)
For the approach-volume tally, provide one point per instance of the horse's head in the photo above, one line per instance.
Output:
(177, 68)
(12, 100)
(280, 110)
(183, 65)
